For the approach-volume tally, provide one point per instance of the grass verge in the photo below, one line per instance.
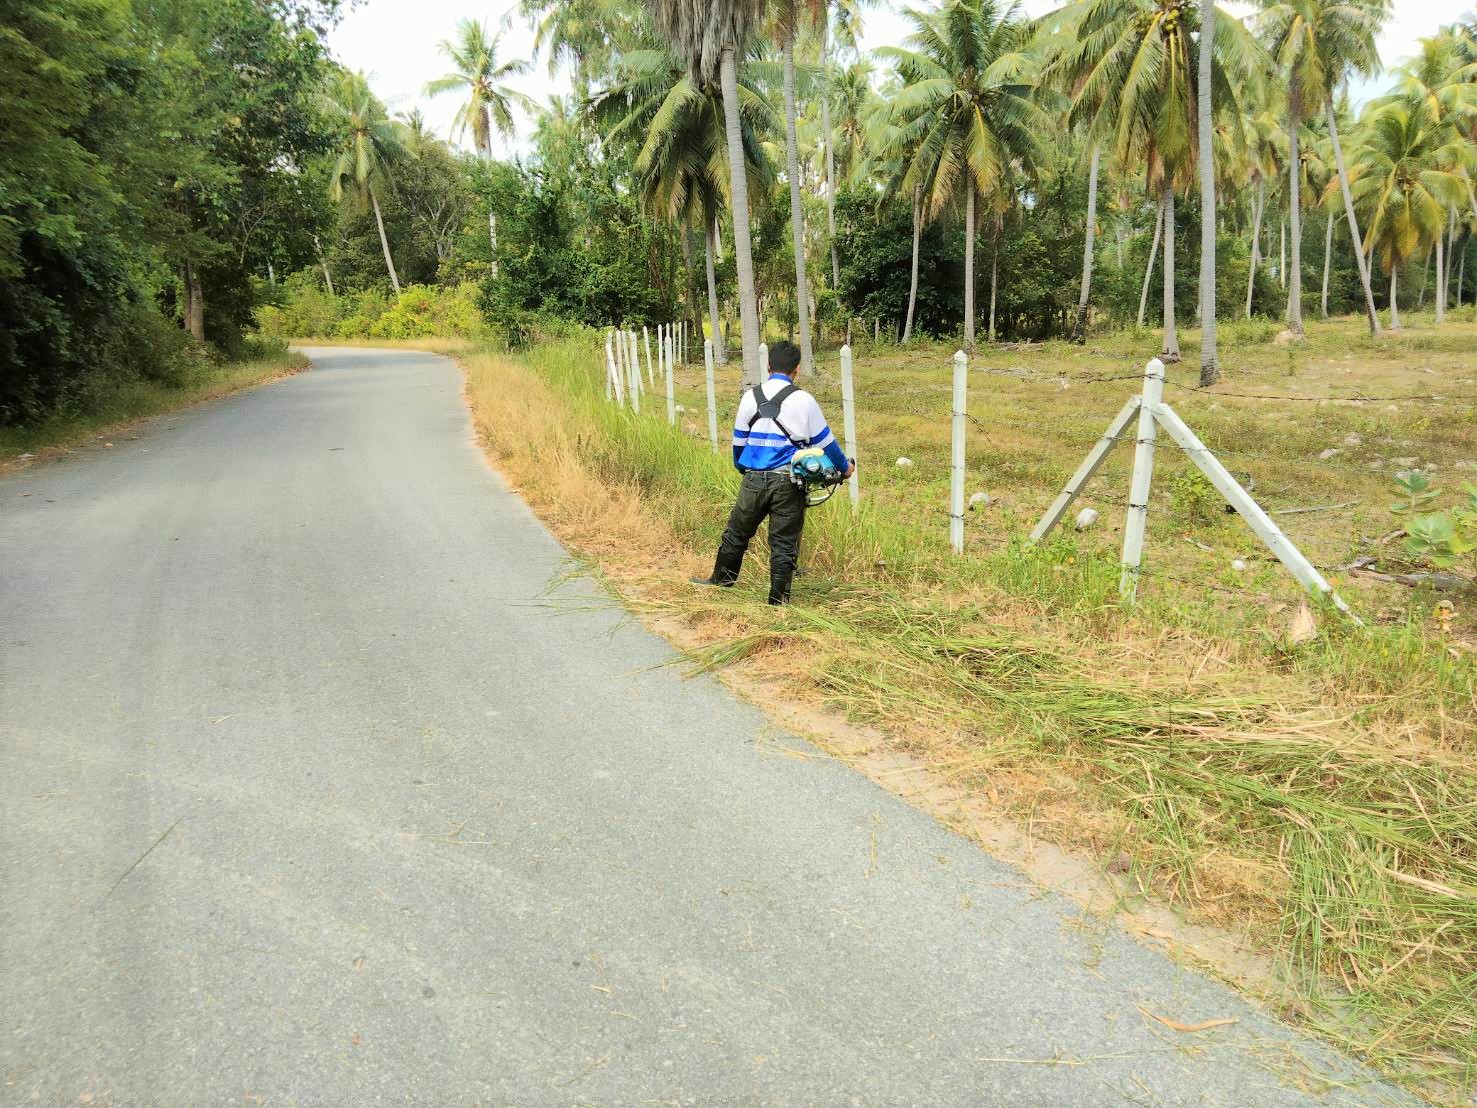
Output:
(140, 400)
(1320, 799)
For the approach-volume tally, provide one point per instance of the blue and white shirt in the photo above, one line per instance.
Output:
(765, 446)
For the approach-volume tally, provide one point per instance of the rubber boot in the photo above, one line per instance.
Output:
(725, 571)
(779, 589)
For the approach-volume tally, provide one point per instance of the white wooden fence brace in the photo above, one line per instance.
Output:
(1153, 411)
(671, 392)
(956, 481)
(712, 393)
(1141, 481)
(848, 421)
(646, 345)
(613, 373)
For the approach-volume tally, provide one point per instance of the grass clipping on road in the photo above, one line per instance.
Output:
(1321, 799)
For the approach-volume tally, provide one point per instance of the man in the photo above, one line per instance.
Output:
(775, 419)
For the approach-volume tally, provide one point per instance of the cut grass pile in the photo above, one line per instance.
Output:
(138, 400)
(1320, 799)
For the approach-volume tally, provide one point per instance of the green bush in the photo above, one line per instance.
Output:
(422, 311)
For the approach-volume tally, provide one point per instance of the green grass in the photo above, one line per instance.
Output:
(137, 400)
(1320, 797)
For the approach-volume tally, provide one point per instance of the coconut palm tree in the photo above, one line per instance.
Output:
(370, 144)
(578, 33)
(1404, 178)
(1263, 161)
(1317, 45)
(789, 17)
(676, 131)
(478, 74)
(1209, 368)
(1130, 65)
(969, 109)
(888, 158)
(710, 37)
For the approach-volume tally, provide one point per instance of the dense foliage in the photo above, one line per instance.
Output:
(170, 170)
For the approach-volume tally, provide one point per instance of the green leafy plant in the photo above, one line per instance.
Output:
(1191, 494)
(1417, 489)
(1445, 538)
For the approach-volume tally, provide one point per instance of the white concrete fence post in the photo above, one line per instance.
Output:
(636, 363)
(1141, 481)
(956, 482)
(712, 393)
(613, 373)
(763, 360)
(671, 391)
(848, 421)
(646, 345)
(633, 373)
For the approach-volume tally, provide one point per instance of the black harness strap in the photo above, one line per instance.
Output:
(770, 409)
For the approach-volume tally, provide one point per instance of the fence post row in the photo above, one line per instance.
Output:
(848, 421)
(646, 345)
(956, 482)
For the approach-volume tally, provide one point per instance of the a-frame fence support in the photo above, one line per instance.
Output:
(1154, 413)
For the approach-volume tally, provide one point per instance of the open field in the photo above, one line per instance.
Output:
(139, 400)
(1319, 801)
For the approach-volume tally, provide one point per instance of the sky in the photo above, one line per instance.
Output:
(396, 43)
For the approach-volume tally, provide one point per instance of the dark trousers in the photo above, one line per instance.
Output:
(768, 493)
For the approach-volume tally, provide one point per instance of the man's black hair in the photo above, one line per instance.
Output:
(784, 356)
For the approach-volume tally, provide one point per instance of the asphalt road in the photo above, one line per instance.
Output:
(307, 797)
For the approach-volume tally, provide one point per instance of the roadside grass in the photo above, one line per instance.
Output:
(139, 400)
(1320, 800)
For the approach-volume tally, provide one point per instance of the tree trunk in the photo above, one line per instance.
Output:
(797, 216)
(1282, 251)
(1210, 371)
(194, 303)
(1118, 240)
(969, 263)
(322, 261)
(1295, 217)
(1440, 281)
(1256, 239)
(1079, 330)
(1461, 271)
(1153, 251)
(690, 301)
(738, 187)
(379, 221)
(994, 274)
(1327, 259)
(1338, 157)
(720, 354)
(913, 279)
(1420, 300)
(1450, 251)
(1394, 298)
(1171, 352)
(830, 163)
(491, 215)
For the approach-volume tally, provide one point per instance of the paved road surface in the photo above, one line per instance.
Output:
(308, 799)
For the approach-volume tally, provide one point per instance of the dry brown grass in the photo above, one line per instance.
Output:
(1177, 755)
